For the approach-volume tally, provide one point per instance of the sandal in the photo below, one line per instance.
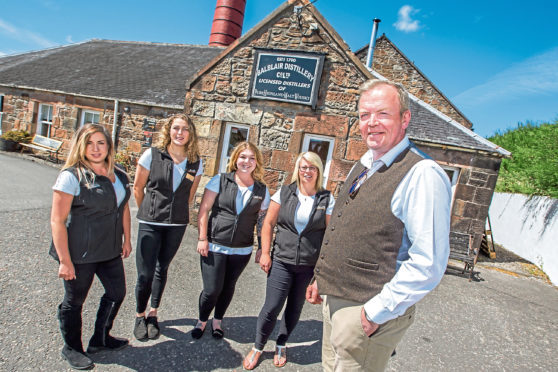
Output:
(252, 359)
(280, 358)
(198, 331)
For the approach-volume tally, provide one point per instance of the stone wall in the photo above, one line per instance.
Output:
(473, 192)
(391, 63)
(220, 96)
(21, 112)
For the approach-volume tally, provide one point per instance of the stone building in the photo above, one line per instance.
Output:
(54, 91)
(290, 84)
(220, 100)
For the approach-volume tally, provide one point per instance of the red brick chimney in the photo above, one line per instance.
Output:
(227, 22)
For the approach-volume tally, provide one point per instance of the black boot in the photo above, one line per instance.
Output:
(70, 327)
(101, 340)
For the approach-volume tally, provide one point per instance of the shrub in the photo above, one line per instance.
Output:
(21, 136)
(533, 168)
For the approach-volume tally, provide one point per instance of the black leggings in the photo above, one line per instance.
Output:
(219, 273)
(156, 248)
(285, 282)
(111, 275)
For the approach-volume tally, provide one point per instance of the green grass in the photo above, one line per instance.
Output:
(533, 169)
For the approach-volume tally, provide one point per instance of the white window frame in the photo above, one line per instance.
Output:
(306, 146)
(41, 123)
(84, 112)
(226, 138)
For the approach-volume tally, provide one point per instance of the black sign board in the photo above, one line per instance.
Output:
(149, 124)
(148, 129)
(286, 76)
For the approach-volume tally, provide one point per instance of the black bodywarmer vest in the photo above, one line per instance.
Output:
(161, 204)
(95, 221)
(289, 246)
(225, 226)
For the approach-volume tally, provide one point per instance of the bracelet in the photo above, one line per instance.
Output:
(202, 240)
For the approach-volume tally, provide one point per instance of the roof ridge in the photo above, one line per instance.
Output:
(273, 16)
(450, 121)
(425, 77)
(45, 49)
(155, 43)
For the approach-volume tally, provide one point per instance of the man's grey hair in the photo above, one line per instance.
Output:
(401, 92)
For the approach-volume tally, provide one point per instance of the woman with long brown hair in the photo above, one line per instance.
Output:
(226, 237)
(166, 180)
(90, 223)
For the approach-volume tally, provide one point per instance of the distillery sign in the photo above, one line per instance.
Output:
(286, 76)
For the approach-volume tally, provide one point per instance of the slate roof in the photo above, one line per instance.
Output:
(137, 72)
(431, 126)
(434, 127)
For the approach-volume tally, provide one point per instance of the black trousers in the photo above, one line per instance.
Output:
(156, 247)
(219, 274)
(285, 282)
(111, 275)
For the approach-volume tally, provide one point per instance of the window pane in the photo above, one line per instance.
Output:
(91, 117)
(321, 148)
(450, 172)
(237, 135)
(46, 113)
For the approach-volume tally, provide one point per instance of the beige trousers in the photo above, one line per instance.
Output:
(345, 346)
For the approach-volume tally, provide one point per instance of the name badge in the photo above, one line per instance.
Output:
(190, 177)
(258, 197)
(322, 207)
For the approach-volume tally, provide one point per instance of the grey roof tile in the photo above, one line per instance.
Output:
(429, 125)
(152, 73)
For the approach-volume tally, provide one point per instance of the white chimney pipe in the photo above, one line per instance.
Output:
(372, 44)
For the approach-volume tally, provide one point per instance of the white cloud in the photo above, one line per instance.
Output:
(69, 39)
(25, 36)
(537, 75)
(404, 21)
(3, 54)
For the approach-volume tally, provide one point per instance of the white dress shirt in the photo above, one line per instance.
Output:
(422, 202)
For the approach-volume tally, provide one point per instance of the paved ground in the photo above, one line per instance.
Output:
(498, 322)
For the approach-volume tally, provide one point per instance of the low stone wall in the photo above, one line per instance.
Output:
(527, 226)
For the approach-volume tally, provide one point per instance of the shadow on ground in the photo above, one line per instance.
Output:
(177, 351)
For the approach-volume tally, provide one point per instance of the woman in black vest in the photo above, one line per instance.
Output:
(301, 212)
(166, 180)
(226, 238)
(89, 219)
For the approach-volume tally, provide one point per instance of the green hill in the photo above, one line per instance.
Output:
(533, 169)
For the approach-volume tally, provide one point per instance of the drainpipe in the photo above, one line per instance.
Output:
(372, 43)
(115, 123)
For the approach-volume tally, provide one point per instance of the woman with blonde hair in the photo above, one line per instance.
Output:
(301, 212)
(166, 180)
(90, 223)
(226, 237)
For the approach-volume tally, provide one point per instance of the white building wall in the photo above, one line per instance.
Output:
(528, 227)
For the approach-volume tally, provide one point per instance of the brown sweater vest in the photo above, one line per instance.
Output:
(361, 243)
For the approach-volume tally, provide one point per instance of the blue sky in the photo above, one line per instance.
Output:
(496, 60)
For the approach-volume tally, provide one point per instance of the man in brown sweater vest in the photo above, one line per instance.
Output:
(387, 244)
